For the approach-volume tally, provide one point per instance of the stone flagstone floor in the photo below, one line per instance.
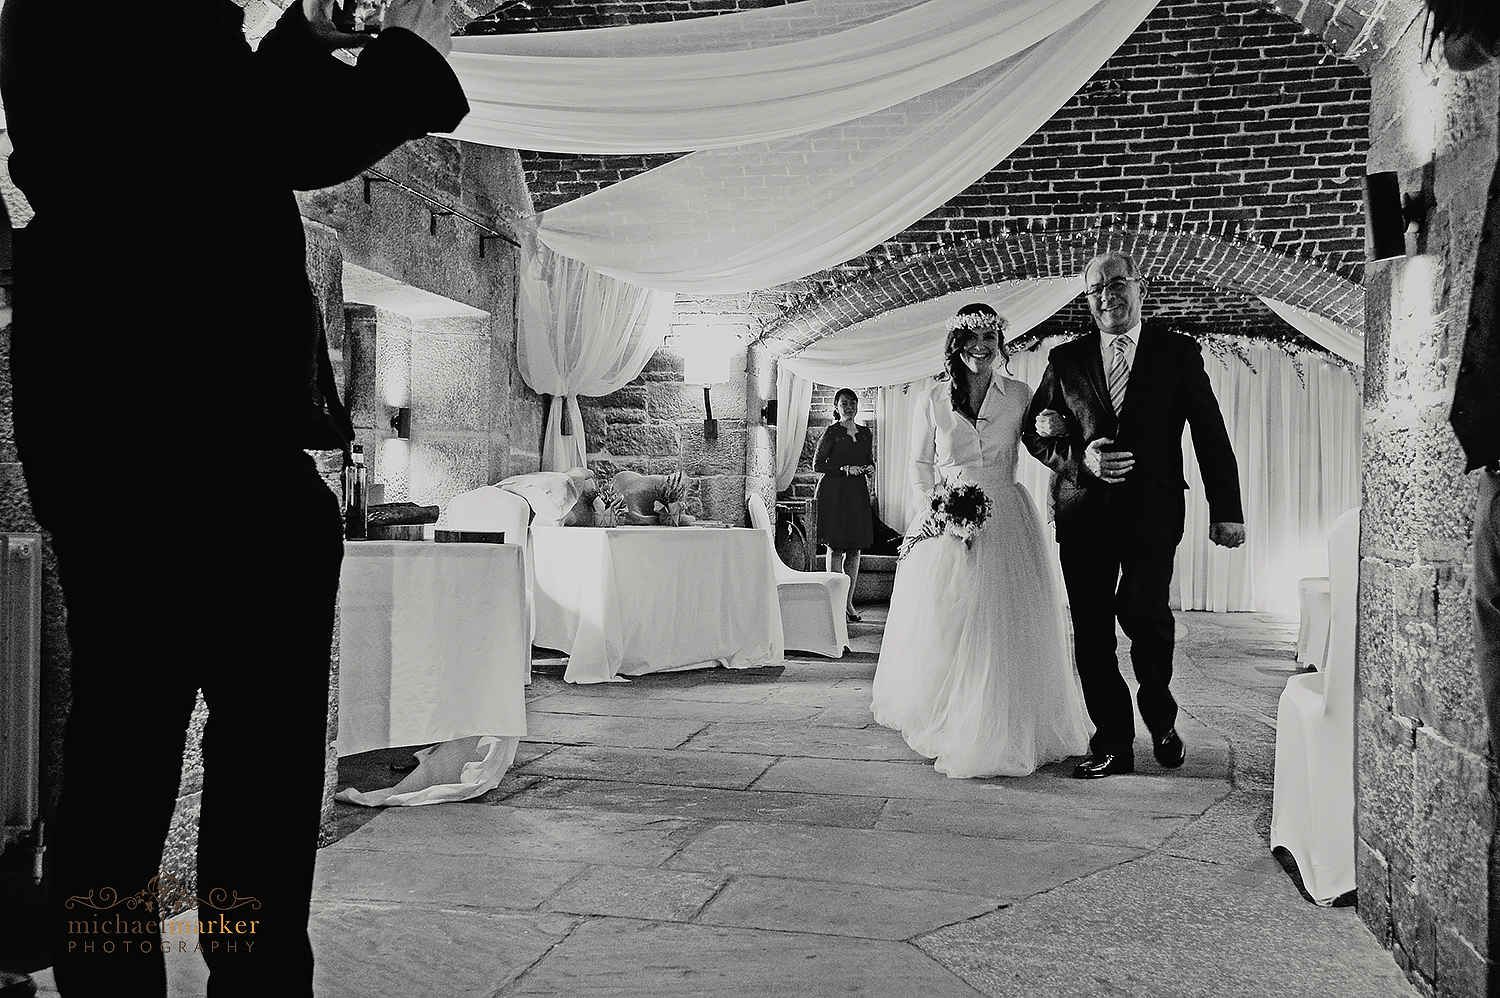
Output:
(753, 833)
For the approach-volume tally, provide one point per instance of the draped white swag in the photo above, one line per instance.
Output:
(580, 334)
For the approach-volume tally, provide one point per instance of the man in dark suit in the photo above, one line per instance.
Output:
(1107, 418)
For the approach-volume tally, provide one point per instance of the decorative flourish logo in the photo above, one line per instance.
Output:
(164, 896)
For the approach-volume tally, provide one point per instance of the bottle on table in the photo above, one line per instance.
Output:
(356, 500)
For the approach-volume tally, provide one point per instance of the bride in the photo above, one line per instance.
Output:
(974, 670)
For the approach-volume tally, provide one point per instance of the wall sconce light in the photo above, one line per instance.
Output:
(1390, 215)
(706, 362)
(768, 412)
(401, 422)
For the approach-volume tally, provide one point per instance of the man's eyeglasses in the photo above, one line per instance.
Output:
(1115, 287)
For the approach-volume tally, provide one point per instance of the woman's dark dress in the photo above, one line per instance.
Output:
(845, 522)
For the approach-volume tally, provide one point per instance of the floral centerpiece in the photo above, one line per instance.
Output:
(608, 505)
(668, 504)
(956, 508)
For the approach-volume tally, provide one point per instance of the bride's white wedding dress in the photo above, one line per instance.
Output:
(974, 668)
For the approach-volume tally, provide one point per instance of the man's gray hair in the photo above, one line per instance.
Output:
(1132, 269)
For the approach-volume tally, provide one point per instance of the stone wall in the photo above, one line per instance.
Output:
(654, 424)
(1426, 813)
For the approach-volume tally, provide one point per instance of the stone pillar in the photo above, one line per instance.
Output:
(1425, 810)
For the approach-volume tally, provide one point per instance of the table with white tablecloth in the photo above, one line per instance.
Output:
(625, 601)
(433, 648)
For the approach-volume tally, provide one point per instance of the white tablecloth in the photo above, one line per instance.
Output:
(433, 647)
(625, 601)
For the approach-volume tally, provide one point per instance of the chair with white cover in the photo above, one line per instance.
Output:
(490, 508)
(1312, 811)
(812, 603)
(1313, 610)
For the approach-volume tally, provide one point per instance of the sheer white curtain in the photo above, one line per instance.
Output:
(753, 216)
(1297, 441)
(742, 77)
(894, 407)
(793, 399)
(580, 333)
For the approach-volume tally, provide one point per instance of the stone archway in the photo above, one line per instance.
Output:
(1165, 254)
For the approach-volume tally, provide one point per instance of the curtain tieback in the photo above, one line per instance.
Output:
(566, 422)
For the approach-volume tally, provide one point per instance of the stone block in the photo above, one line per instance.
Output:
(723, 456)
(632, 396)
(1377, 336)
(642, 440)
(1414, 940)
(665, 364)
(443, 466)
(1414, 495)
(723, 499)
(1372, 875)
(1453, 824)
(618, 415)
(671, 402)
(1376, 633)
(1384, 749)
(450, 379)
(1454, 699)
(596, 423)
(1461, 971)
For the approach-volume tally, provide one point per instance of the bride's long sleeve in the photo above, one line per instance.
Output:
(922, 469)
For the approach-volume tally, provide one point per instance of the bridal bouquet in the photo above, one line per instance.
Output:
(957, 508)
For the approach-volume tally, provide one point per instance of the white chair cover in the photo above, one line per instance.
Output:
(812, 603)
(491, 508)
(1312, 811)
(1313, 610)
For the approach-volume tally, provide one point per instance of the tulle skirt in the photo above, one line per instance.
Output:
(974, 670)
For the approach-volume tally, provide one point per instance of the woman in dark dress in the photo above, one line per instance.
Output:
(845, 456)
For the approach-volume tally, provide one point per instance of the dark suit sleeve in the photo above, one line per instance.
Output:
(1064, 455)
(324, 121)
(823, 458)
(1216, 462)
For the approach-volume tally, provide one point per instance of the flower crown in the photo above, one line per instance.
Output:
(977, 321)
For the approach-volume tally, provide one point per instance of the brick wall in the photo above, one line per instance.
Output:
(1427, 846)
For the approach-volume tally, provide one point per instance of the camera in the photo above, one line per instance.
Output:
(359, 16)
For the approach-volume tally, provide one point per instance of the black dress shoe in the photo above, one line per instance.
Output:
(1101, 764)
(1169, 749)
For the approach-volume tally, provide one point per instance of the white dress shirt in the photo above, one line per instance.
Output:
(1107, 349)
(944, 443)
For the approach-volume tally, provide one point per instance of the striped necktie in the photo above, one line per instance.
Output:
(1119, 372)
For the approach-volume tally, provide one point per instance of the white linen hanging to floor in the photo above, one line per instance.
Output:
(754, 216)
(1298, 447)
(746, 76)
(794, 396)
(580, 334)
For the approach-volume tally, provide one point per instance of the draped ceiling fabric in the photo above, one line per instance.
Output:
(580, 334)
(1335, 337)
(721, 81)
(753, 216)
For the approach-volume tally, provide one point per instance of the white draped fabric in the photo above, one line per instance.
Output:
(1298, 446)
(793, 397)
(721, 81)
(580, 333)
(1335, 337)
(904, 344)
(756, 215)
(893, 414)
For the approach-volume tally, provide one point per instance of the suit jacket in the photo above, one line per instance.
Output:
(1168, 388)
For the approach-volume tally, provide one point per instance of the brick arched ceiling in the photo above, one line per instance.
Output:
(1180, 266)
(1240, 123)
